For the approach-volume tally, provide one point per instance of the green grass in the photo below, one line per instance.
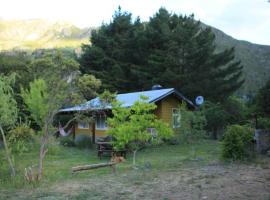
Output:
(163, 172)
(59, 160)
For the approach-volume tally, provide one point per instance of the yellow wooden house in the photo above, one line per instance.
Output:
(167, 101)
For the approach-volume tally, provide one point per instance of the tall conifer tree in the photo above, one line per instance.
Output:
(183, 55)
(171, 50)
(111, 56)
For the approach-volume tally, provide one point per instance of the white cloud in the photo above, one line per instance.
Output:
(243, 19)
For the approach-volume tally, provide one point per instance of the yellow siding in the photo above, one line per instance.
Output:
(164, 110)
(101, 133)
(79, 131)
(158, 110)
(88, 132)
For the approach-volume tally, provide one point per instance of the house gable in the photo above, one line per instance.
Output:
(128, 99)
(165, 106)
(165, 99)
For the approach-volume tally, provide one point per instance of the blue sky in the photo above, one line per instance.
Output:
(243, 19)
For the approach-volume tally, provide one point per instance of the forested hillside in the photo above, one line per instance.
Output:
(254, 57)
(40, 34)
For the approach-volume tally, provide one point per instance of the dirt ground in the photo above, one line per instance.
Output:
(213, 181)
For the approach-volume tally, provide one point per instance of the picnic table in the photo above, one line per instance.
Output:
(107, 148)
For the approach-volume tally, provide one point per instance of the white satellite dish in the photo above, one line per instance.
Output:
(199, 100)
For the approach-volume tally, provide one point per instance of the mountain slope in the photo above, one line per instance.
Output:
(36, 34)
(255, 59)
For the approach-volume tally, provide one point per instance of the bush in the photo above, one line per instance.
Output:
(53, 147)
(83, 141)
(262, 100)
(192, 125)
(21, 138)
(237, 142)
(216, 117)
(173, 141)
(236, 110)
(263, 123)
(67, 142)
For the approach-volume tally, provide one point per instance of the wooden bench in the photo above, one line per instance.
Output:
(107, 148)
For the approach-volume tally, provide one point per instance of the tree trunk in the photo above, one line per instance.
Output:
(42, 152)
(11, 165)
(93, 166)
(44, 140)
(134, 157)
(215, 134)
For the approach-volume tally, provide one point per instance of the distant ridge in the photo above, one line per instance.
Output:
(38, 33)
(255, 59)
(41, 34)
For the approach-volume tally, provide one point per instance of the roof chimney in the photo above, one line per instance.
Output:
(156, 87)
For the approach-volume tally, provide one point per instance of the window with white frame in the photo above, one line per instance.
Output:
(101, 122)
(83, 125)
(176, 118)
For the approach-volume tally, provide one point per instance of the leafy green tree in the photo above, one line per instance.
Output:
(53, 88)
(43, 110)
(8, 113)
(130, 126)
(36, 100)
(216, 117)
(88, 85)
(236, 110)
(193, 125)
(262, 100)
(17, 62)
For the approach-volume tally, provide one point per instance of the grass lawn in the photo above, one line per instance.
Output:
(164, 172)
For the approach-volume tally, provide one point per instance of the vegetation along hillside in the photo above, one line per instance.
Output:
(255, 59)
(37, 34)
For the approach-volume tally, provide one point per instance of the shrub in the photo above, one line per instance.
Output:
(237, 142)
(236, 110)
(53, 147)
(173, 141)
(262, 100)
(263, 123)
(67, 142)
(21, 138)
(83, 141)
(192, 125)
(216, 117)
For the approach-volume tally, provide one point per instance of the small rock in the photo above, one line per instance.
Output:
(204, 197)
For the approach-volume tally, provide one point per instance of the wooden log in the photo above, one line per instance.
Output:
(93, 166)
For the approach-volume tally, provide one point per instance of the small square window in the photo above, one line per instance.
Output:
(83, 125)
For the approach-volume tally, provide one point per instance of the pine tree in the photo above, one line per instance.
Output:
(170, 50)
(111, 55)
(183, 55)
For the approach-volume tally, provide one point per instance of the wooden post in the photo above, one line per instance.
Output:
(93, 133)
(74, 129)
